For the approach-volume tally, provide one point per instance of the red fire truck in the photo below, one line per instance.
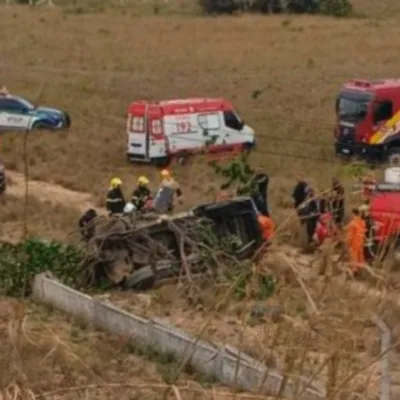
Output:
(384, 212)
(368, 119)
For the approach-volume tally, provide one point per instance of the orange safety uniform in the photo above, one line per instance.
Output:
(267, 227)
(355, 241)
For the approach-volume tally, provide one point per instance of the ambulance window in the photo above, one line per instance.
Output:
(383, 110)
(209, 121)
(232, 121)
(137, 124)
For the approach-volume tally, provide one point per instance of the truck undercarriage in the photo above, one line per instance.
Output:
(138, 253)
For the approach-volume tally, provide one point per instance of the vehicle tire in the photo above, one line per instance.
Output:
(37, 126)
(247, 147)
(67, 118)
(166, 272)
(161, 162)
(182, 158)
(142, 279)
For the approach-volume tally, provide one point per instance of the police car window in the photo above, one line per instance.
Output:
(10, 105)
(24, 104)
(232, 121)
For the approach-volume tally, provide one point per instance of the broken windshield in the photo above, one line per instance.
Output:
(352, 107)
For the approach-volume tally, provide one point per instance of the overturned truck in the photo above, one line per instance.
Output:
(139, 253)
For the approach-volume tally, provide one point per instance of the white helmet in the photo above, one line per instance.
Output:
(129, 208)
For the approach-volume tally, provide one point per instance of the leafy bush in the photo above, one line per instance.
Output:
(20, 263)
(339, 8)
(219, 6)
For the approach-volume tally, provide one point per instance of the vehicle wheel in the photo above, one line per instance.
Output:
(393, 156)
(182, 159)
(67, 120)
(161, 161)
(142, 279)
(37, 125)
(166, 272)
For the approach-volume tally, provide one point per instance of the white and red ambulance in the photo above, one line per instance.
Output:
(158, 131)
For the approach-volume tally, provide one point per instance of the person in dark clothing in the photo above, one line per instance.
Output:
(115, 198)
(312, 214)
(86, 224)
(299, 195)
(3, 183)
(337, 202)
(142, 194)
(260, 183)
(369, 233)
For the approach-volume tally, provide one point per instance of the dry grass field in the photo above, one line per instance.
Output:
(45, 352)
(321, 328)
(94, 64)
(92, 61)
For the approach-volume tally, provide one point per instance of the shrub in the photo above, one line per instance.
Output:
(339, 8)
(219, 6)
(20, 263)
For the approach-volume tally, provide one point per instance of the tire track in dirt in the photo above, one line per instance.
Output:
(49, 192)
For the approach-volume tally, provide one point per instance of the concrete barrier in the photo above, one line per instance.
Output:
(225, 363)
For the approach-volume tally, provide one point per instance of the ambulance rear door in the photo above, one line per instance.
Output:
(138, 142)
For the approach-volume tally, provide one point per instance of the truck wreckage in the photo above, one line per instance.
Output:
(139, 252)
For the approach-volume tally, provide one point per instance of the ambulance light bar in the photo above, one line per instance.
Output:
(380, 187)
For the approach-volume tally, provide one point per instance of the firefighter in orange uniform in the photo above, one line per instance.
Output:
(355, 239)
(267, 227)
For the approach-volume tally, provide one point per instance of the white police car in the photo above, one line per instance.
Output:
(17, 113)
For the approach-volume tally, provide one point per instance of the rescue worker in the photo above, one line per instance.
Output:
(311, 214)
(3, 183)
(355, 239)
(267, 226)
(260, 183)
(337, 202)
(86, 224)
(368, 185)
(369, 234)
(323, 229)
(299, 195)
(168, 181)
(142, 194)
(115, 198)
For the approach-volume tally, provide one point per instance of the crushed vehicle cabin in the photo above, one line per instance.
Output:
(368, 120)
(138, 254)
(159, 131)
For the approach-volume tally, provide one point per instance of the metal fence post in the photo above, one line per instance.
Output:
(386, 338)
